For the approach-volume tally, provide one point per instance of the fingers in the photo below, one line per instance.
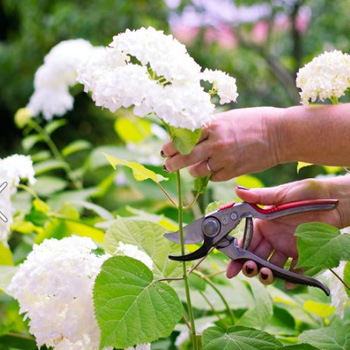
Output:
(233, 268)
(199, 154)
(267, 195)
(169, 149)
(266, 276)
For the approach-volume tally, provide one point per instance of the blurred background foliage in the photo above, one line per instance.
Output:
(261, 43)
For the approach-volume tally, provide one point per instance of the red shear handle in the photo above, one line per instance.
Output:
(294, 208)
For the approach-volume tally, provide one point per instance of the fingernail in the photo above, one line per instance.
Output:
(242, 188)
(165, 169)
(264, 276)
(249, 270)
(162, 154)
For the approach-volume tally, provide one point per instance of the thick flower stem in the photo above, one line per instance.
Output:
(185, 277)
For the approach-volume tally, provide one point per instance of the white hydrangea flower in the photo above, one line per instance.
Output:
(12, 170)
(326, 76)
(166, 56)
(185, 106)
(226, 85)
(52, 80)
(170, 90)
(54, 289)
(339, 297)
(132, 251)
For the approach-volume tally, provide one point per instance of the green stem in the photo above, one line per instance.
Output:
(184, 269)
(56, 153)
(213, 309)
(211, 284)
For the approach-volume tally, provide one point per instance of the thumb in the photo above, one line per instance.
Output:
(265, 196)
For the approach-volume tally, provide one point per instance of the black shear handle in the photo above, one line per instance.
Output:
(236, 253)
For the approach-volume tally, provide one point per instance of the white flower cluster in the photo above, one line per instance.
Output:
(12, 170)
(338, 294)
(54, 290)
(326, 76)
(52, 80)
(132, 251)
(165, 83)
(225, 84)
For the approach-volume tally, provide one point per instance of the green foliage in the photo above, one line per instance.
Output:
(131, 308)
(347, 277)
(238, 338)
(148, 237)
(321, 246)
(140, 172)
(184, 139)
(328, 338)
(201, 183)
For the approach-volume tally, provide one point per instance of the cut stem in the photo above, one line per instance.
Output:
(184, 269)
(340, 279)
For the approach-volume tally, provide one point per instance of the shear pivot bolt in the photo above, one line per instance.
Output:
(211, 227)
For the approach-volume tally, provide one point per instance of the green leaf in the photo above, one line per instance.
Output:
(132, 130)
(30, 141)
(6, 257)
(301, 165)
(148, 237)
(321, 246)
(102, 212)
(347, 277)
(17, 341)
(184, 139)
(140, 172)
(299, 347)
(47, 185)
(131, 308)
(6, 274)
(48, 165)
(54, 125)
(213, 206)
(249, 181)
(76, 146)
(36, 216)
(263, 303)
(328, 338)
(319, 309)
(238, 338)
(201, 183)
(196, 282)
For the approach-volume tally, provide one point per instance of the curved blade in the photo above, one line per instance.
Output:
(192, 233)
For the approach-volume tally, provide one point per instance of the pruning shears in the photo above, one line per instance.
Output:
(213, 230)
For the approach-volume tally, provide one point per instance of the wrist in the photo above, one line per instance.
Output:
(275, 132)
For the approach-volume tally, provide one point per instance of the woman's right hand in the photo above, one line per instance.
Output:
(275, 238)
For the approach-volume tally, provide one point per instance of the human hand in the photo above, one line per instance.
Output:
(275, 238)
(237, 142)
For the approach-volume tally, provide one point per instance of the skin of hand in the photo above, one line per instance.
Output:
(249, 140)
(275, 238)
(237, 142)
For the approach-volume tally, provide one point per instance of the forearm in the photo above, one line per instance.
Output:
(315, 134)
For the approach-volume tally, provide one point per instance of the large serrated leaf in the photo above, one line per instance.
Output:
(130, 307)
(184, 139)
(140, 172)
(347, 277)
(328, 338)
(321, 246)
(148, 237)
(238, 338)
(299, 347)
